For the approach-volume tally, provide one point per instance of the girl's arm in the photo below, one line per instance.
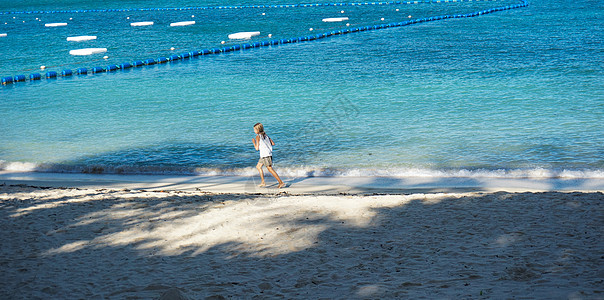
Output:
(272, 143)
(255, 143)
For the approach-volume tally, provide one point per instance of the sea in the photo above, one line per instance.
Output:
(510, 94)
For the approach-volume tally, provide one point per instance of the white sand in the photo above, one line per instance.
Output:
(118, 244)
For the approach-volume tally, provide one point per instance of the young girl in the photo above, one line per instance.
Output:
(265, 144)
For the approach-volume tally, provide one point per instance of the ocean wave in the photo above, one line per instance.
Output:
(306, 171)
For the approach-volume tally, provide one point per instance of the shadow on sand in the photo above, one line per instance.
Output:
(59, 244)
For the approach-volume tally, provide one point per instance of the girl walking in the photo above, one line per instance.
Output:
(265, 144)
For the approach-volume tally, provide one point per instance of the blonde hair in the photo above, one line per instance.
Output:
(260, 128)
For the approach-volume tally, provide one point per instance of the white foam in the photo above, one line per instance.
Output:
(314, 171)
(55, 24)
(185, 23)
(335, 19)
(3, 34)
(87, 51)
(243, 35)
(141, 24)
(17, 166)
(81, 38)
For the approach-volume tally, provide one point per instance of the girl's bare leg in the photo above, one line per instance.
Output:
(259, 167)
(270, 169)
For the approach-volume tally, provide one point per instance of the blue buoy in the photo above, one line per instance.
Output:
(68, 72)
(7, 80)
(35, 76)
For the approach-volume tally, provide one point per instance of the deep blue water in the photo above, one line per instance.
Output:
(513, 93)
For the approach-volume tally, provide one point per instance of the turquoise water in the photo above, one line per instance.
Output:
(511, 94)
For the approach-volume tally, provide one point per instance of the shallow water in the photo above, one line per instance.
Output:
(510, 94)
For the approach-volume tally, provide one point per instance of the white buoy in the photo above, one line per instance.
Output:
(42, 67)
(264, 14)
(409, 17)
(128, 18)
(81, 38)
(105, 57)
(270, 35)
(185, 23)
(87, 51)
(335, 19)
(347, 24)
(222, 42)
(243, 35)
(342, 12)
(55, 24)
(382, 19)
(310, 29)
(172, 48)
(141, 23)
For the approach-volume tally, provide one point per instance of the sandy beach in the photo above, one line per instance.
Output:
(79, 242)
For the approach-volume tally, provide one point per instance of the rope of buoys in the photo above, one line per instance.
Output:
(237, 7)
(245, 46)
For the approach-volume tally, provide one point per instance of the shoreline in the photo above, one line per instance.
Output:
(301, 185)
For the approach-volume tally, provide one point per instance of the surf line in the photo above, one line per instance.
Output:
(246, 46)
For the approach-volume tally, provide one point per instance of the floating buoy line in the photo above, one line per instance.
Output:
(241, 35)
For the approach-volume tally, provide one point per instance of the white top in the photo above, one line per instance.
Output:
(265, 147)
